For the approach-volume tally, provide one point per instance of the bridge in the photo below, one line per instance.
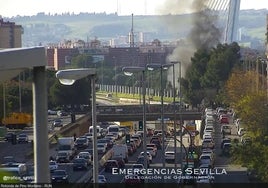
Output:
(153, 112)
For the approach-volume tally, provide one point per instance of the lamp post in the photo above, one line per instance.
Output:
(152, 67)
(174, 110)
(115, 76)
(68, 77)
(129, 72)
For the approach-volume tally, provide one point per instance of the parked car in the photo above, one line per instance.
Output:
(9, 136)
(23, 138)
(57, 123)
(59, 176)
(61, 113)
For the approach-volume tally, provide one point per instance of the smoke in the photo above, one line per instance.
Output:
(203, 30)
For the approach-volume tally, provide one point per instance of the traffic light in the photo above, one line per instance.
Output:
(127, 138)
(140, 125)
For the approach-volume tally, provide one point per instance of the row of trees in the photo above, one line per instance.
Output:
(251, 105)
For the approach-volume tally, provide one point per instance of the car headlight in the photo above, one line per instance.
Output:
(64, 177)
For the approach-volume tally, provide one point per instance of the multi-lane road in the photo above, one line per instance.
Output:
(235, 174)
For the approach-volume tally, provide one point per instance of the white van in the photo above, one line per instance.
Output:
(115, 129)
(98, 131)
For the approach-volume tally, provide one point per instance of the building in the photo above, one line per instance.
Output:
(10, 34)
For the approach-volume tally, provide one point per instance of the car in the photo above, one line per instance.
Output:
(101, 179)
(85, 155)
(132, 179)
(137, 166)
(141, 160)
(59, 176)
(89, 136)
(130, 150)
(170, 156)
(152, 151)
(63, 157)
(110, 164)
(53, 165)
(120, 160)
(9, 136)
(226, 148)
(209, 129)
(206, 158)
(150, 132)
(152, 146)
(51, 112)
(208, 143)
(80, 164)
(207, 135)
(8, 160)
(225, 140)
(81, 143)
(157, 143)
(226, 129)
(23, 138)
(150, 157)
(57, 123)
(101, 147)
(61, 113)
(224, 120)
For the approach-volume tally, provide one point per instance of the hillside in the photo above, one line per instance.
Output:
(45, 29)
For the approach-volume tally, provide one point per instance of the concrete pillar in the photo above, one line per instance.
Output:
(41, 151)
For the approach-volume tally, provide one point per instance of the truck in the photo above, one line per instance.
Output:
(67, 144)
(120, 150)
(18, 120)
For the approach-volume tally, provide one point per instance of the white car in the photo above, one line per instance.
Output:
(152, 151)
(170, 155)
(53, 165)
(207, 135)
(150, 157)
(206, 158)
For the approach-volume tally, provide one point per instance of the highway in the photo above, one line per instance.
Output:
(235, 174)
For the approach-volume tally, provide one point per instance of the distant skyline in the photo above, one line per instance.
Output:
(10, 8)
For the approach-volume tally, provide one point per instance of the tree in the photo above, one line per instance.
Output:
(76, 94)
(241, 83)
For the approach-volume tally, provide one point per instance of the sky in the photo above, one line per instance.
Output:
(9, 8)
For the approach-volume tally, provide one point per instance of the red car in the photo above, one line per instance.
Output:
(224, 120)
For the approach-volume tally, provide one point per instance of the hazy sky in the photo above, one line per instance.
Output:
(9, 8)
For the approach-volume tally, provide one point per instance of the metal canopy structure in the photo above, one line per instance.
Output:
(12, 62)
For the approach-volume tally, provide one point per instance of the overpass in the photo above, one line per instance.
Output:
(153, 112)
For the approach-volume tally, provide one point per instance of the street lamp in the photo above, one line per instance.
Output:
(152, 67)
(129, 71)
(174, 110)
(68, 77)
